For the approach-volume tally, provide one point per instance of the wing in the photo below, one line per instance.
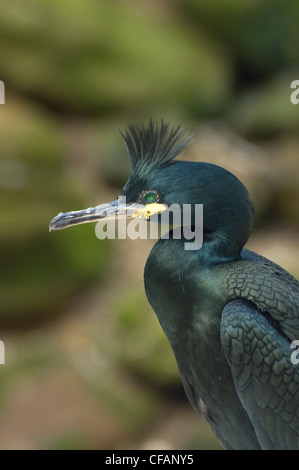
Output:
(268, 286)
(266, 380)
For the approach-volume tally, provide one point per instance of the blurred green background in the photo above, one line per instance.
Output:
(87, 364)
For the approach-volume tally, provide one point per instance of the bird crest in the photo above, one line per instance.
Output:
(153, 145)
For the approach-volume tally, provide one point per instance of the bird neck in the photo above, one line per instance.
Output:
(225, 231)
(170, 275)
(219, 247)
(215, 247)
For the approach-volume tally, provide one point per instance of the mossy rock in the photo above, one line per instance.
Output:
(137, 342)
(97, 56)
(266, 110)
(261, 36)
(40, 271)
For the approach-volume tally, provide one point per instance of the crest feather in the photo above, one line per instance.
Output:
(153, 145)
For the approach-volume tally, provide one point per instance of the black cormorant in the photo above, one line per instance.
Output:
(229, 314)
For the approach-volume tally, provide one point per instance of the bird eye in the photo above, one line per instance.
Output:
(151, 196)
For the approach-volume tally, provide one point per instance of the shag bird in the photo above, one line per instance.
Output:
(229, 314)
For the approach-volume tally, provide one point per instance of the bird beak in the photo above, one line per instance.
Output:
(112, 210)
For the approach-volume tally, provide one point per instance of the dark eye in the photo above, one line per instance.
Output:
(151, 196)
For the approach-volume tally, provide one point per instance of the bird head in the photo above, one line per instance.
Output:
(157, 181)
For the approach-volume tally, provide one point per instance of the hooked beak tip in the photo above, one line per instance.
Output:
(57, 222)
